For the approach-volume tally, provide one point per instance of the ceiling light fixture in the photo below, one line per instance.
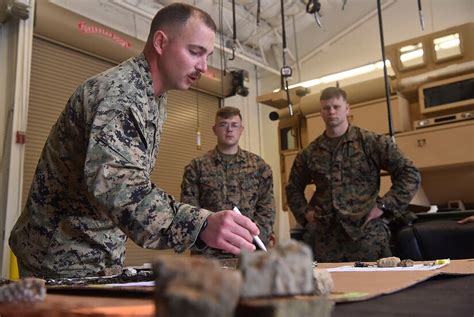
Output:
(354, 72)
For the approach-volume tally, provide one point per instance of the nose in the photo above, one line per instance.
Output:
(201, 66)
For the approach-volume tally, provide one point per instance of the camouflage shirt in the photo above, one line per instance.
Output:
(92, 188)
(245, 181)
(348, 180)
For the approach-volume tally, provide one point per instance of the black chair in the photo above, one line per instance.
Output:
(436, 236)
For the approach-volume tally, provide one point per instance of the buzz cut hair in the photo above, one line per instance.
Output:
(228, 112)
(333, 92)
(174, 16)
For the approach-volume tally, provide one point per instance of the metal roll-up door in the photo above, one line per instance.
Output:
(56, 71)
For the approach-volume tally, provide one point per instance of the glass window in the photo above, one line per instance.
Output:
(411, 55)
(447, 46)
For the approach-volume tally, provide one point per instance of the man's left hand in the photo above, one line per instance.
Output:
(375, 213)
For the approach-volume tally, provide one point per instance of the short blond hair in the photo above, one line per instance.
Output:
(227, 112)
(332, 92)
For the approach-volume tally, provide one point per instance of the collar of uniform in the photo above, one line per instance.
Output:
(349, 135)
(144, 69)
(239, 156)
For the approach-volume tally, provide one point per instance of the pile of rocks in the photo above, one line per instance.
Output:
(265, 284)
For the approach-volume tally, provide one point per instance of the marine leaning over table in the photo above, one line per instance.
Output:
(92, 190)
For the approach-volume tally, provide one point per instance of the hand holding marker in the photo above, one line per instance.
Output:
(255, 238)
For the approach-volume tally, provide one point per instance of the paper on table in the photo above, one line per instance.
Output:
(134, 284)
(416, 267)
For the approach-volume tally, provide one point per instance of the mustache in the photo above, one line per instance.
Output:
(197, 75)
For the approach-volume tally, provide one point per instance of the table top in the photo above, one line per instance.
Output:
(445, 292)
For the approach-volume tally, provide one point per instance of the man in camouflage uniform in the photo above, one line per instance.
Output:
(345, 219)
(92, 188)
(228, 177)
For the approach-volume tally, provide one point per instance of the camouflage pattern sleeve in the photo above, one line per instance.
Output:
(404, 175)
(299, 178)
(118, 177)
(264, 215)
(190, 185)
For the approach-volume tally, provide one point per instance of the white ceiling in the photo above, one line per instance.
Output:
(259, 44)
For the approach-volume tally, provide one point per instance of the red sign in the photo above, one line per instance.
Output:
(83, 27)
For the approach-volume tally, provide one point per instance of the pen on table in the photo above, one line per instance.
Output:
(255, 238)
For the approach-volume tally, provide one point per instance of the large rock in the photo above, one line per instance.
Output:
(195, 286)
(285, 270)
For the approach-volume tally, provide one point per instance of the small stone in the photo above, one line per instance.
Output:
(285, 270)
(406, 263)
(195, 287)
(323, 282)
(391, 261)
(29, 290)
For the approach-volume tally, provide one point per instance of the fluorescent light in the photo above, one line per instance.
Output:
(409, 48)
(341, 75)
(348, 73)
(411, 55)
(447, 44)
(446, 38)
(307, 84)
(379, 65)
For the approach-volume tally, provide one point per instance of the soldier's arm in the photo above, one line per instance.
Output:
(190, 185)
(117, 178)
(265, 206)
(297, 181)
(404, 175)
(229, 231)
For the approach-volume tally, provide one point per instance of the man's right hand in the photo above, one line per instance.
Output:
(230, 232)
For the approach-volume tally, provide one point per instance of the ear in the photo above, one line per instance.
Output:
(214, 129)
(159, 41)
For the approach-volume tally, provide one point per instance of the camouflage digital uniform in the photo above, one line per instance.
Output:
(92, 188)
(245, 181)
(347, 186)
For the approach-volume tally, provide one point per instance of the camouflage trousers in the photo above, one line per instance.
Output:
(332, 243)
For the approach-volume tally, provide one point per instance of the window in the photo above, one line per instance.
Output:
(447, 47)
(411, 56)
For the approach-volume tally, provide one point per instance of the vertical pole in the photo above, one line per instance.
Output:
(385, 76)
